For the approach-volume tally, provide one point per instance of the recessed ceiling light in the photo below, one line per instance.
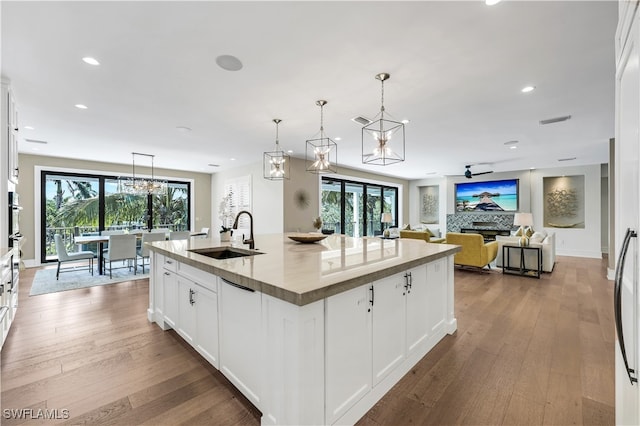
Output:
(528, 89)
(232, 159)
(183, 129)
(229, 63)
(29, 128)
(80, 106)
(337, 138)
(91, 61)
(491, 2)
(290, 151)
(513, 147)
(405, 121)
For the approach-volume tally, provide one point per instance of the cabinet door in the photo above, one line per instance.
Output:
(437, 280)
(206, 303)
(240, 334)
(170, 299)
(388, 324)
(419, 307)
(348, 350)
(155, 282)
(186, 323)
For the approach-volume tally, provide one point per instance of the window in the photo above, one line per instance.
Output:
(355, 208)
(81, 204)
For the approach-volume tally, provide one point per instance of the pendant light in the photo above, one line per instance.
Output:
(322, 152)
(377, 136)
(137, 185)
(276, 163)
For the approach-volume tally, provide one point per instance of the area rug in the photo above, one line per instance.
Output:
(45, 279)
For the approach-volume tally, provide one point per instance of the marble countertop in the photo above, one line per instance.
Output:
(304, 273)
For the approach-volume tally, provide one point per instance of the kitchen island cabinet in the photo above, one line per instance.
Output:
(309, 333)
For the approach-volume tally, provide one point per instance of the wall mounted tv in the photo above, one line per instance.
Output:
(489, 196)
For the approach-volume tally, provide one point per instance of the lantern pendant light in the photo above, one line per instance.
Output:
(276, 163)
(377, 136)
(322, 152)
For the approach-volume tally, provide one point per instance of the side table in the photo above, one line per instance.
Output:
(533, 271)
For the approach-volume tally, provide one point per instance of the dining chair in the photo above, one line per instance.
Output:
(121, 247)
(179, 235)
(143, 251)
(64, 256)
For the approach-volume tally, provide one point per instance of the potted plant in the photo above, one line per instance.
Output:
(226, 216)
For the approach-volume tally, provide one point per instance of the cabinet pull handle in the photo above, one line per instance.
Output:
(410, 281)
(372, 295)
(241, 287)
(191, 293)
(168, 262)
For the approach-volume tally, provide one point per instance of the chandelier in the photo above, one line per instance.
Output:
(377, 135)
(138, 185)
(322, 152)
(276, 163)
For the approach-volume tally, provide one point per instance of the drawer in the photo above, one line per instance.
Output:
(198, 276)
(167, 263)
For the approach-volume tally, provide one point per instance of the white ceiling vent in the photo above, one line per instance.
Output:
(361, 120)
(36, 141)
(555, 120)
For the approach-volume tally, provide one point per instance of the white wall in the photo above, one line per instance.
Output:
(266, 199)
(569, 242)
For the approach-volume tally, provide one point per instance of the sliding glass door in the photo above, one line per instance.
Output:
(355, 208)
(78, 204)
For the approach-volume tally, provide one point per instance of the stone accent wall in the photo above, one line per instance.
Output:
(455, 222)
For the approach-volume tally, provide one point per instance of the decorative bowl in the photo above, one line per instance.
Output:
(307, 238)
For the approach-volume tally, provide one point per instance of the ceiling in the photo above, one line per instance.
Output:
(457, 69)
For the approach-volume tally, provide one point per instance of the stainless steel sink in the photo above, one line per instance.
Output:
(224, 252)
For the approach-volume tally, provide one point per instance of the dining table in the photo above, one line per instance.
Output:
(101, 239)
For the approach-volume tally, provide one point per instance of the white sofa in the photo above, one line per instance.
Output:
(546, 241)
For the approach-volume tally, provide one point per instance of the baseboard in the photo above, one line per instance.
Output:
(579, 253)
(31, 263)
(611, 274)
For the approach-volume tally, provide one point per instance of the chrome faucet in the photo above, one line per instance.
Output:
(249, 241)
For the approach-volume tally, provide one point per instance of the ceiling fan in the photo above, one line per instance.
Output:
(469, 175)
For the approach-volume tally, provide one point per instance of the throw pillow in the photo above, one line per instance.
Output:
(537, 237)
(528, 232)
(428, 232)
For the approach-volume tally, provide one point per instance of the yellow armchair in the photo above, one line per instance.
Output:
(420, 235)
(474, 250)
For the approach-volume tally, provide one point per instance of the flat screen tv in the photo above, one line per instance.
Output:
(488, 196)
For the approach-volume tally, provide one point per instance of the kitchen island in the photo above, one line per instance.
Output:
(309, 333)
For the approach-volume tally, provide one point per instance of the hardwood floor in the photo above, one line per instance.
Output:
(526, 351)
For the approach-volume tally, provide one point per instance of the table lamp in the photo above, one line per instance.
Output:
(386, 219)
(523, 220)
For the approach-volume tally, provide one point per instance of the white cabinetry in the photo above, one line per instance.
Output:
(372, 330)
(627, 204)
(170, 290)
(186, 323)
(10, 131)
(389, 324)
(186, 300)
(240, 338)
(206, 302)
(348, 350)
